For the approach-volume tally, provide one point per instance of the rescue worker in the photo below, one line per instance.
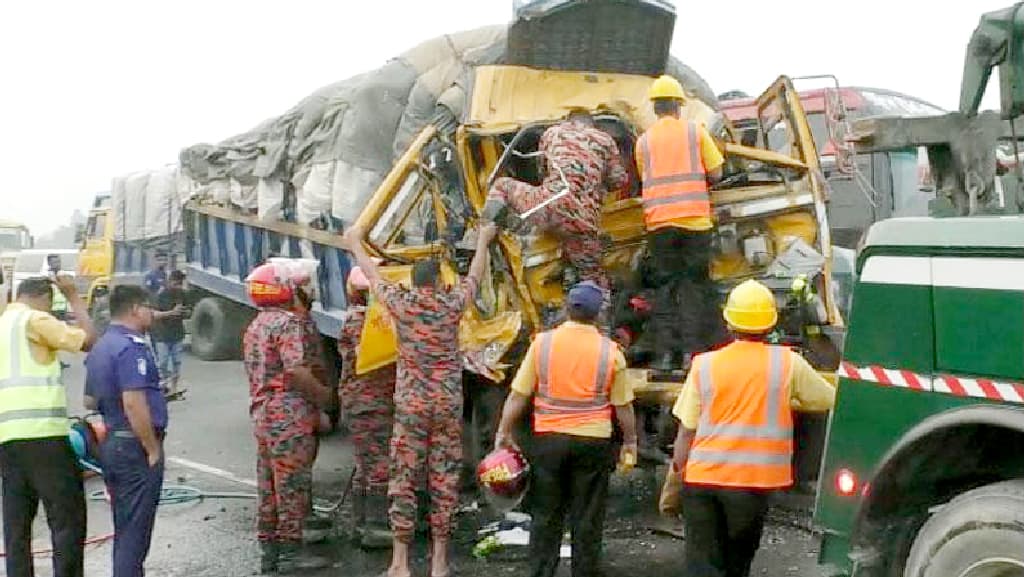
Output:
(676, 160)
(426, 439)
(590, 162)
(577, 381)
(369, 404)
(122, 382)
(735, 442)
(36, 461)
(286, 390)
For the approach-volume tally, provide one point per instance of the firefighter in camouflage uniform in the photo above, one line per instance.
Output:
(426, 439)
(369, 404)
(285, 370)
(589, 161)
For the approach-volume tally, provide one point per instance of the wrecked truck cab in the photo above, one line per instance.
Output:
(769, 209)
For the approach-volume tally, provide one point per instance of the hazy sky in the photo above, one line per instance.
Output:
(91, 90)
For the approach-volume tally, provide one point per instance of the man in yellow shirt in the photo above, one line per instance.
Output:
(735, 441)
(677, 160)
(576, 379)
(36, 461)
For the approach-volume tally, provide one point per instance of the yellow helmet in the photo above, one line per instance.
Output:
(751, 308)
(666, 87)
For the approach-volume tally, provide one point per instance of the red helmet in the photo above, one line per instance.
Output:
(268, 287)
(504, 474)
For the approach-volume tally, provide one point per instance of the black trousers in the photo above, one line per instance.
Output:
(42, 469)
(685, 315)
(723, 529)
(570, 481)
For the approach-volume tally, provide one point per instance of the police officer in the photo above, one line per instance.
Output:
(576, 378)
(123, 383)
(735, 442)
(36, 460)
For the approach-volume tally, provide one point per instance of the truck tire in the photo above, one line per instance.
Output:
(217, 327)
(979, 533)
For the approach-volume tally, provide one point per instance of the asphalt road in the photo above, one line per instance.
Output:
(210, 447)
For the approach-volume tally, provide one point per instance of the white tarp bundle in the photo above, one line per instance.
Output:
(336, 146)
(147, 204)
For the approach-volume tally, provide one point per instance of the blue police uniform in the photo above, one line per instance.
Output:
(122, 361)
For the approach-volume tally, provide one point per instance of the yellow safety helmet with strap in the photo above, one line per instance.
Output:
(666, 87)
(751, 308)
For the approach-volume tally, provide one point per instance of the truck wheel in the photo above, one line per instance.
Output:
(217, 327)
(978, 534)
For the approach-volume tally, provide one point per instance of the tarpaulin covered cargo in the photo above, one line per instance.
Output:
(327, 155)
(147, 204)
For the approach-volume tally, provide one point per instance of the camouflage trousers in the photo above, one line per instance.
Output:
(369, 403)
(580, 239)
(284, 471)
(426, 443)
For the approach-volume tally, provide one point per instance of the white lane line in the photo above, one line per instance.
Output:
(212, 471)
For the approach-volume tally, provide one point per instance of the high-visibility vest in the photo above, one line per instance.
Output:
(575, 371)
(674, 180)
(744, 436)
(33, 403)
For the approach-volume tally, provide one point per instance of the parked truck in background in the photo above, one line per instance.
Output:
(14, 236)
(863, 187)
(96, 247)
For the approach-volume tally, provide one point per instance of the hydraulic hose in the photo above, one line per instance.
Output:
(177, 494)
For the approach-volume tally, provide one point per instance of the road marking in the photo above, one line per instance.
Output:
(212, 471)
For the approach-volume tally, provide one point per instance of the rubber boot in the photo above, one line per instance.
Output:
(268, 558)
(376, 533)
(292, 558)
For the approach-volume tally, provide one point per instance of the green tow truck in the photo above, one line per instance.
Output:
(924, 466)
(923, 474)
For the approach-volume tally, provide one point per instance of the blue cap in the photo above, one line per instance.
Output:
(587, 297)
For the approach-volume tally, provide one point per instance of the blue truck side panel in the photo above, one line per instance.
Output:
(220, 253)
(132, 259)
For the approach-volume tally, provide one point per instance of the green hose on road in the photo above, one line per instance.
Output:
(177, 494)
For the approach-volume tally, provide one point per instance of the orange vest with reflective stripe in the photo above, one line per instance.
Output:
(674, 180)
(575, 371)
(745, 434)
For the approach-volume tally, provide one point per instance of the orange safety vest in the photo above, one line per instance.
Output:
(575, 370)
(745, 433)
(674, 181)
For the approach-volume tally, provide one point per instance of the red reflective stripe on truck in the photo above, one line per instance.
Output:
(912, 380)
(880, 375)
(947, 384)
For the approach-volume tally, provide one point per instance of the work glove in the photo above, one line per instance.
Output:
(627, 458)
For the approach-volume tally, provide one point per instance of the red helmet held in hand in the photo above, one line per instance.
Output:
(504, 474)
